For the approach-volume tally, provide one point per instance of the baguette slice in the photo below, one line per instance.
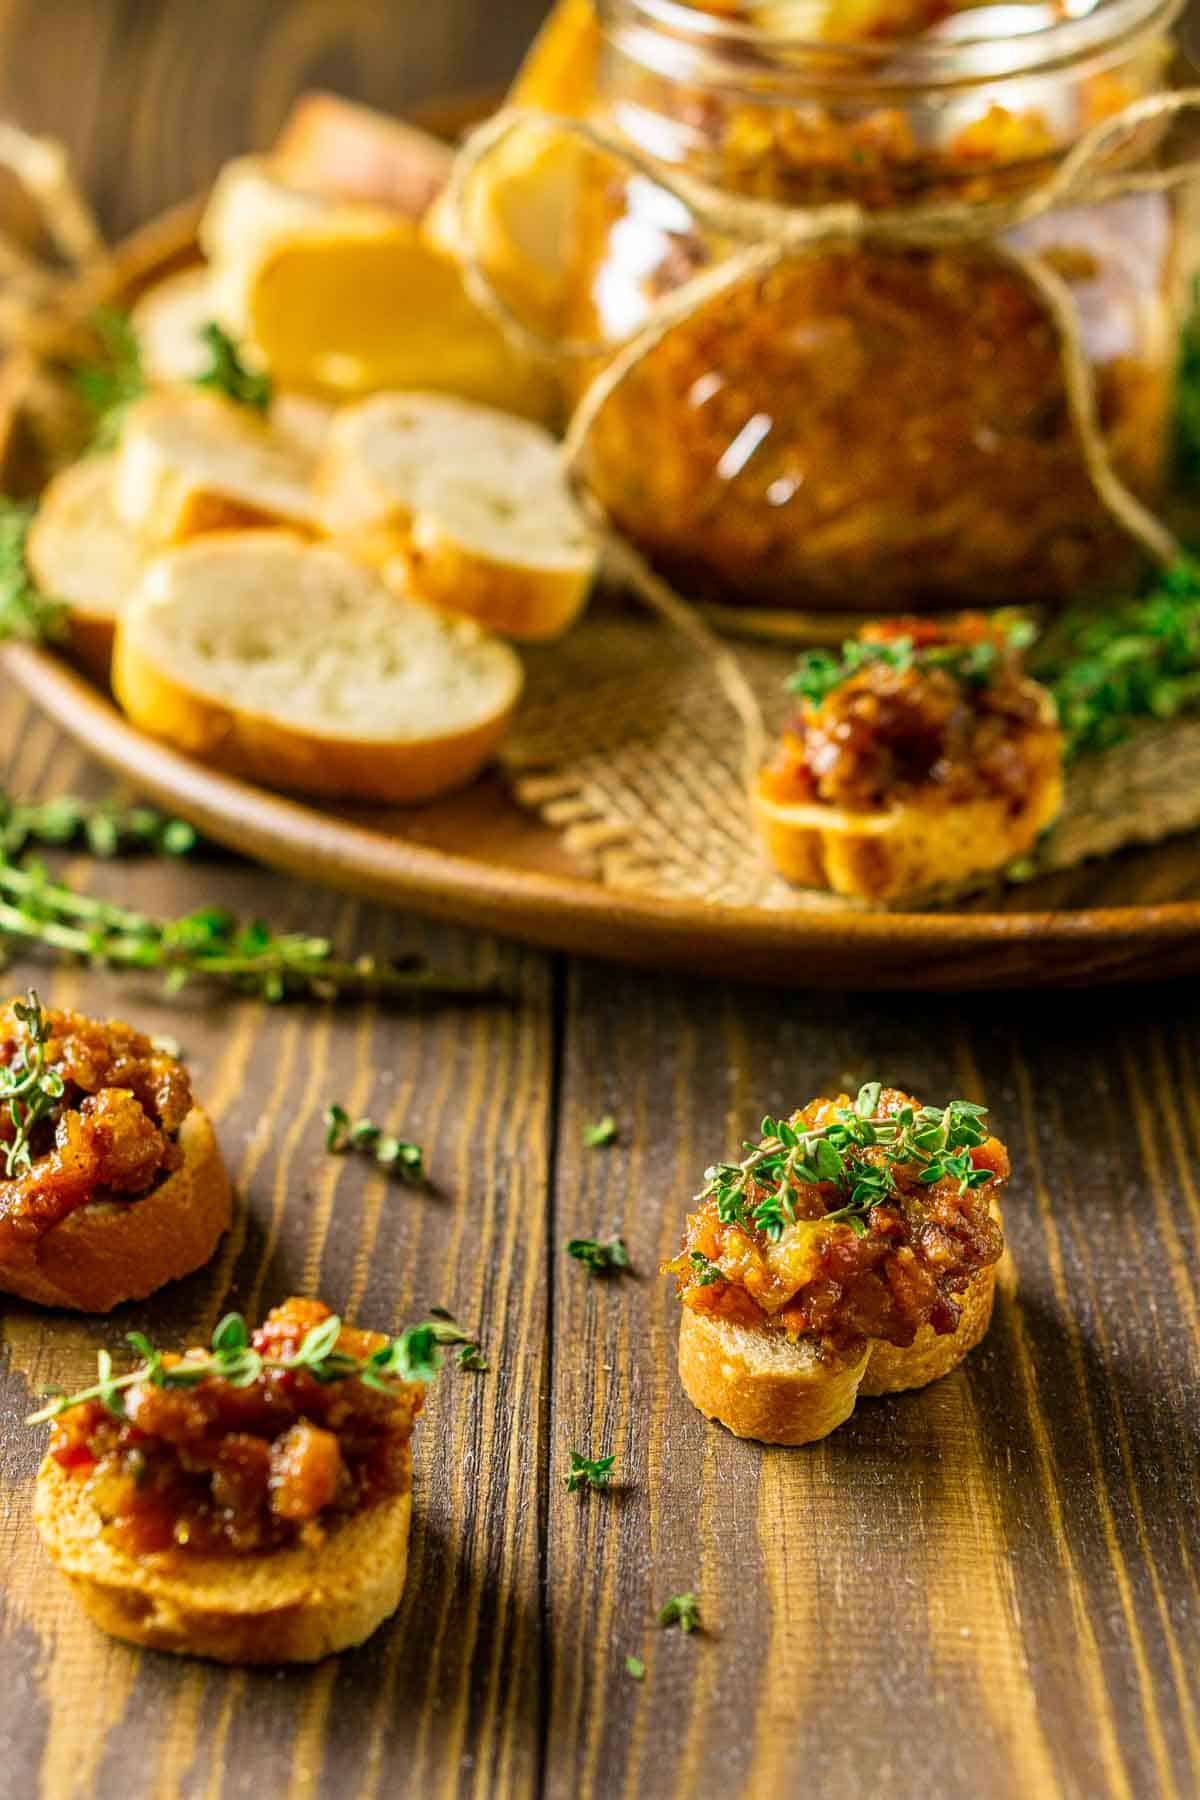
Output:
(344, 151)
(466, 504)
(80, 551)
(294, 1605)
(169, 321)
(291, 664)
(759, 1385)
(191, 462)
(347, 298)
(111, 1251)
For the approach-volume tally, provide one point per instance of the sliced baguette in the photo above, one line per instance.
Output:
(169, 321)
(758, 1384)
(465, 504)
(347, 299)
(114, 1250)
(293, 1605)
(81, 552)
(344, 151)
(192, 462)
(293, 665)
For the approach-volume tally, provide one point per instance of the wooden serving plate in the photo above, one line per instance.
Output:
(479, 859)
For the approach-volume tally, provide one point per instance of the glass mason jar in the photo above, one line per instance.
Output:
(871, 427)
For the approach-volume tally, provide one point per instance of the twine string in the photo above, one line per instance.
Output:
(767, 233)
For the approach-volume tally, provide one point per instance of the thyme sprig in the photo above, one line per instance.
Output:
(29, 1091)
(413, 1356)
(760, 1190)
(819, 672)
(1108, 667)
(25, 612)
(227, 374)
(447, 1330)
(106, 829)
(394, 1154)
(210, 944)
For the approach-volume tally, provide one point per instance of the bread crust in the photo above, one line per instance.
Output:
(293, 1605)
(517, 600)
(760, 1385)
(909, 849)
(111, 1251)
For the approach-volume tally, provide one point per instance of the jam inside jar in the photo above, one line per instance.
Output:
(870, 426)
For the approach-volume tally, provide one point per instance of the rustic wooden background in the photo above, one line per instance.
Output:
(987, 1590)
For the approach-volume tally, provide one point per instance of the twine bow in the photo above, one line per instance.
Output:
(766, 233)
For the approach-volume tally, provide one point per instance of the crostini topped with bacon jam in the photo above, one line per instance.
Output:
(852, 1250)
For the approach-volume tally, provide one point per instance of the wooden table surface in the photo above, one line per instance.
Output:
(986, 1589)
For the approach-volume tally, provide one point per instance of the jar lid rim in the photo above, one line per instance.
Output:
(927, 60)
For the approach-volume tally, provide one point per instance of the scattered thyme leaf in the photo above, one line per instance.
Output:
(227, 374)
(635, 1666)
(396, 1155)
(600, 1258)
(603, 1132)
(586, 1473)
(706, 1272)
(682, 1610)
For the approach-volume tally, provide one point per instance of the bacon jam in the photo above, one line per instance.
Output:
(943, 709)
(220, 1468)
(915, 1251)
(112, 1134)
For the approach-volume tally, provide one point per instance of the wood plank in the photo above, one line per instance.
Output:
(149, 100)
(445, 1699)
(989, 1587)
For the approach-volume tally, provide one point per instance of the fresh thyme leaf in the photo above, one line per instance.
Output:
(819, 672)
(394, 1154)
(446, 1329)
(471, 1357)
(111, 385)
(603, 1132)
(682, 1610)
(635, 1666)
(586, 1473)
(706, 1272)
(413, 1356)
(209, 944)
(760, 1189)
(29, 1091)
(228, 374)
(25, 612)
(600, 1258)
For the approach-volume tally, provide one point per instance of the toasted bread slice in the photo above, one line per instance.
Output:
(467, 504)
(291, 1605)
(347, 299)
(344, 151)
(110, 1251)
(81, 552)
(192, 462)
(293, 665)
(913, 847)
(168, 321)
(758, 1384)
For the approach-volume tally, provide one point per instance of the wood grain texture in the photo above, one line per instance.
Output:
(988, 1589)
